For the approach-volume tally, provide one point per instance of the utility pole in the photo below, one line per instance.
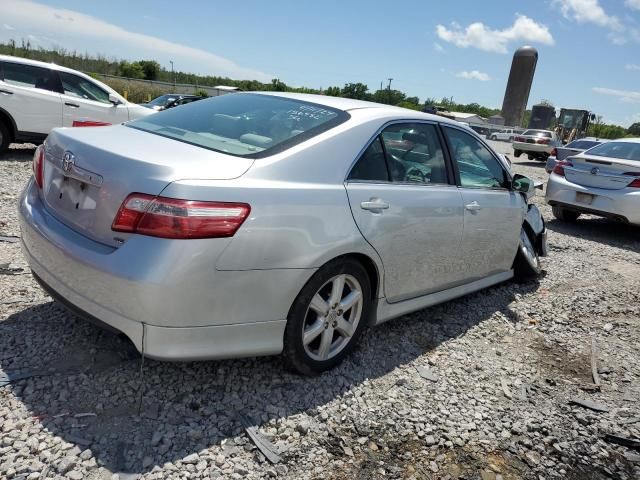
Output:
(389, 90)
(173, 75)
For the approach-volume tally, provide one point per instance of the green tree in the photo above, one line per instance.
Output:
(278, 85)
(150, 68)
(634, 129)
(355, 90)
(333, 91)
(390, 97)
(130, 70)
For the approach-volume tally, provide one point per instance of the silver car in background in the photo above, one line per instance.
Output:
(255, 224)
(571, 148)
(603, 181)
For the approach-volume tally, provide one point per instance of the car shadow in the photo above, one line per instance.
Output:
(600, 230)
(19, 153)
(530, 163)
(86, 385)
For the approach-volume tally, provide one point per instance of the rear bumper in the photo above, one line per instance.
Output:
(621, 205)
(188, 310)
(533, 148)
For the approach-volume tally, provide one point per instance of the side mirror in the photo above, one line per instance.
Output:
(115, 100)
(523, 184)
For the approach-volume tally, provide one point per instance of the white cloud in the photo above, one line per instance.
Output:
(438, 48)
(478, 35)
(588, 11)
(632, 66)
(474, 75)
(76, 28)
(7, 26)
(627, 96)
(635, 4)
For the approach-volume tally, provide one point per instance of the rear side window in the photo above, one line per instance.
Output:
(79, 87)
(371, 166)
(243, 124)
(28, 76)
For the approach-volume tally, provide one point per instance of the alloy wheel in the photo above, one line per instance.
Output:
(332, 317)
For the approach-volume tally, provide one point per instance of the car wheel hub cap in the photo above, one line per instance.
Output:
(332, 317)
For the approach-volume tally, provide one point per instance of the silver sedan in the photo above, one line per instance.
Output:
(258, 224)
(603, 181)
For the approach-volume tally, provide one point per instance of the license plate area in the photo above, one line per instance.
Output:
(585, 198)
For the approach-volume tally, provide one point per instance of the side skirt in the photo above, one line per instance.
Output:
(386, 311)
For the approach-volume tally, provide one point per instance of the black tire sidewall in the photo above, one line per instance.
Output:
(6, 138)
(523, 270)
(294, 351)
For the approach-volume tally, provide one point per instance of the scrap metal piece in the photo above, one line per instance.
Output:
(624, 441)
(265, 446)
(9, 238)
(596, 407)
(594, 364)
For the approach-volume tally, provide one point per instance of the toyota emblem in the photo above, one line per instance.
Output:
(68, 160)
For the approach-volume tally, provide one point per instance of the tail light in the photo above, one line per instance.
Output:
(559, 168)
(38, 165)
(174, 218)
(636, 182)
(519, 139)
(554, 152)
(543, 141)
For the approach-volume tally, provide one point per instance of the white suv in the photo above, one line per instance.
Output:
(36, 97)
(504, 135)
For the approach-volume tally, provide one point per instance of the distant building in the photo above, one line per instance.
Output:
(496, 120)
(470, 118)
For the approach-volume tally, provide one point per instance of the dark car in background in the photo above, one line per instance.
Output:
(571, 148)
(171, 100)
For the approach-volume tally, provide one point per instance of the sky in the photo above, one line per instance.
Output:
(589, 50)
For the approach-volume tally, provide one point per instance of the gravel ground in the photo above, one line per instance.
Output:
(477, 388)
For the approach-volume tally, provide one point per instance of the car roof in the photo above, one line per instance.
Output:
(38, 63)
(349, 104)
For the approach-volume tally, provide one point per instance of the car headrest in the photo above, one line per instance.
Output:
(256, 140)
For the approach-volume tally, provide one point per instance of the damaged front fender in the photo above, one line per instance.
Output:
(535, 221)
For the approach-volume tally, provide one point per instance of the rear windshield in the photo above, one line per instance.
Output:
(243, 124)
(162, 101)
(538, 133)
(621, 150)
(582, 144)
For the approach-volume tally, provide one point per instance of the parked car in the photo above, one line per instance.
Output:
(571, 148)
(536, 144)
(36, 97)
(164, 102)
(255, 224)
(505, 135)
(604, 181)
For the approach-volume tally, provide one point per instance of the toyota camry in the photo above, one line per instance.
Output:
(266, 223)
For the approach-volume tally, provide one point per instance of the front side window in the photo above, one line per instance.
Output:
(244, 124)
(414, 153)
(79, 87)
(477, 166)
(28, 76)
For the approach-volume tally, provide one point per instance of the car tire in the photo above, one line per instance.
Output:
(327, 317)
(511, 139)
(565, 215)
(517, 153)
(5, 138)
(527, 262)
(493, 137)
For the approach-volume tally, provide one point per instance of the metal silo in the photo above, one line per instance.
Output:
(519, 85)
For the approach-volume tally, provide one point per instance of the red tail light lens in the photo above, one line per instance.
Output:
(559, 168)
(174, 218)
(519, 139)
(543, 141)
(38, 165)
(635, 183)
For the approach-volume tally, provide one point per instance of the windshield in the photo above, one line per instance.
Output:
(243, 124)
(538, 133)
(582, 144)
(621, 150)
(162, 101)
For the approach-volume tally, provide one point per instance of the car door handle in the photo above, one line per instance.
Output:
(6, 92)
(473, 206)
(374, 205)
(72, 105)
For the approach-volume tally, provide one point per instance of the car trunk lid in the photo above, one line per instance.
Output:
(601, 172)
(88, 172)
